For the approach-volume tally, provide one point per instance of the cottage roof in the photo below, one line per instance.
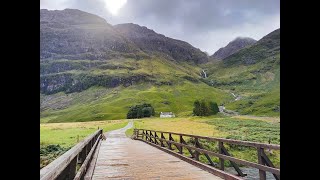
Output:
(166, 113)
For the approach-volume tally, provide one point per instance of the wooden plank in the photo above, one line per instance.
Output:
(198, 164)
(86, 162)
(230, 158)
(56, 167)
(89, 173)
(230, 141)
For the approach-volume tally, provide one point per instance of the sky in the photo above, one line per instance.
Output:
(205, 24)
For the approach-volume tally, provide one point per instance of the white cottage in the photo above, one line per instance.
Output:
(166, 115)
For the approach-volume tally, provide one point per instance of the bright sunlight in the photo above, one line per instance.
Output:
(114, 6)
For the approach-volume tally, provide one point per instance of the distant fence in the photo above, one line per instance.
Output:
(65, 167)
(195, 149)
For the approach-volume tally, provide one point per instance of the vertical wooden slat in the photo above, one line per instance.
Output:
(221, 161)
(169, 144)
(181, 140)
(162, 137)
(196, 153)
(262, 174)
(155, 137)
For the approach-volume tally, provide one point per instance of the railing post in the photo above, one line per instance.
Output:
(169, 145)
(155, 137)
(181, 141)
(221, 160)
(147, 138)
(262, 174)
(196, 154)
(162, 137)
(144, 135)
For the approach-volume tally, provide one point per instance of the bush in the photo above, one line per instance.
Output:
(205, 108)
(140, 111)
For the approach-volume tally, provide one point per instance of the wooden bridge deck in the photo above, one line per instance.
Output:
(120, 157)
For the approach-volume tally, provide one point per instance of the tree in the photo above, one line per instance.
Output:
(205, 108)
(147, 112)
(140, 111)
(214, 107)
(196, 109)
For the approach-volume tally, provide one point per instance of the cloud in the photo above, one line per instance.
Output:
(206, 24)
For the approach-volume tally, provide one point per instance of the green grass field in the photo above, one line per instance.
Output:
(57, 138)
(101, 104)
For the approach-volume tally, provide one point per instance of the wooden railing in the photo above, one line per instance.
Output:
(65, 166)
(195, 149)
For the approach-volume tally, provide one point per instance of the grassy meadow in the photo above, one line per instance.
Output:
(99, 103)
(57, 138)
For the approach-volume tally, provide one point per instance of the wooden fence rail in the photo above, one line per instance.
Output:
(196, 149)
(64, 167)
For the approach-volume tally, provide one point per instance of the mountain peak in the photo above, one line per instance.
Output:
(151, 42)
(234, 46)
(70, 16)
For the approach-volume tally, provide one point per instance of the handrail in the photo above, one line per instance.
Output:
(64, 167)
(230, 141)
(264, 164)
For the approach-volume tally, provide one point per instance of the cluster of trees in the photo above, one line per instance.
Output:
(205, 108)
(140, 111)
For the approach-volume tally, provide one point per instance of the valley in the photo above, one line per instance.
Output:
(92, 72)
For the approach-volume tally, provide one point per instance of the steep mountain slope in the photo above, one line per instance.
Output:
(89, 70)
(149, 41)
(253, 73)
(74, 34)
(233, 47)
(266, 47)
(78, 50)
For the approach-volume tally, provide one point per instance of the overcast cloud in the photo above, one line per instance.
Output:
(205, 24)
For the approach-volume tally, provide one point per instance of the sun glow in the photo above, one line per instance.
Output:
(114, 6)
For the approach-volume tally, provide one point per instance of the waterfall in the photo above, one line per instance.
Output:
(234, 95)
(205, 74)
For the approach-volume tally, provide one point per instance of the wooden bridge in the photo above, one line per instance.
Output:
(155, 155)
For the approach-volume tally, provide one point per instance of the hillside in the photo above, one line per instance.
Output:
(254, 74)
(233, 47)
(90, 70)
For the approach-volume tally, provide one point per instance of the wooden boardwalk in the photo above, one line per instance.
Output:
(120, 157)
